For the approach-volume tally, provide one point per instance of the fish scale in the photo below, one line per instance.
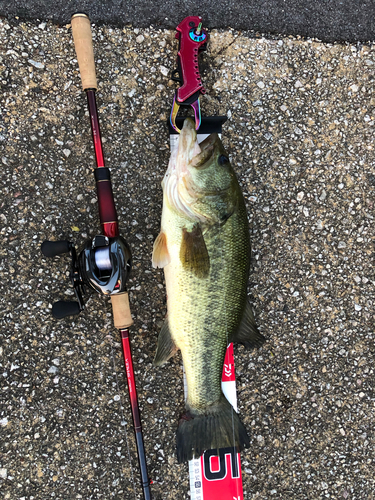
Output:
(202, 314)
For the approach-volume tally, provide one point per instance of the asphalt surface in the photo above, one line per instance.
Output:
(328, 20)
(300, 135)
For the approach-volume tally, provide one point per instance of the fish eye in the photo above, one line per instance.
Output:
(222, 160)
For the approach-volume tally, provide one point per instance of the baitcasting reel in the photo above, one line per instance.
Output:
(103, 265)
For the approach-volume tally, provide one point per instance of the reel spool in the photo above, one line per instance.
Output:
(103, 265)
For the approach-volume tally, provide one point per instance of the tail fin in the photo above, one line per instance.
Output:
(219, 427)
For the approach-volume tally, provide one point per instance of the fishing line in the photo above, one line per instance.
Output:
(102, 259)
(123, 421)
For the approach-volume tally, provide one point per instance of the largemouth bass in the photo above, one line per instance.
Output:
(204, 248)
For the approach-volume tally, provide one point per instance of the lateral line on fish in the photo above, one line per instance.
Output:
(224, 263)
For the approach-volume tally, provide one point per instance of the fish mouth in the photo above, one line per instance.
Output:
(177, 174)
(190, 153)
(179, 190)
(188, 147)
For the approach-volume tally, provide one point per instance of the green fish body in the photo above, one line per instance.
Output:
(204, 248)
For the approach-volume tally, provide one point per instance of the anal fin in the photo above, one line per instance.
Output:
(166, 347)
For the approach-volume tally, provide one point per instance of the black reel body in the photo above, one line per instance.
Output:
(103, 265)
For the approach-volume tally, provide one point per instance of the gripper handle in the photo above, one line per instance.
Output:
(81, 29)
(122, 317)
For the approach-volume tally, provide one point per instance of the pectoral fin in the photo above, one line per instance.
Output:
(160, 254)
(166, 347)
(248, 333)
(193, 252)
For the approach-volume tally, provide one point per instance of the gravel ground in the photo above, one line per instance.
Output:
(300, 134)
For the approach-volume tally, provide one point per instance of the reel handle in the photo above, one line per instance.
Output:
(63, 308)
(53, 248)
(82, 37)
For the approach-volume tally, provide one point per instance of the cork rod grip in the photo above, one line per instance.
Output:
(82, 37)
(122, 317)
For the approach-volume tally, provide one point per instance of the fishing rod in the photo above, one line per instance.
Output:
(105, 262)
